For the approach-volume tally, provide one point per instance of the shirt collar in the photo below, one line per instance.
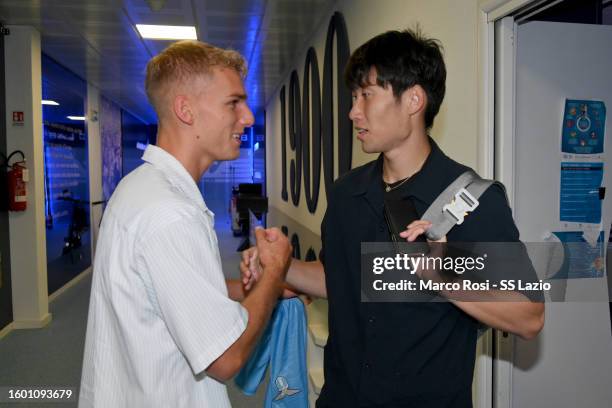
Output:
(176, 174)
(425, 185)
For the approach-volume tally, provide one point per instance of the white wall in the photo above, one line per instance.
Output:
(454, 23)
(27, 229)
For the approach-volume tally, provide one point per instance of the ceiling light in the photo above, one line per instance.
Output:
(76, 117)
(49, 102)
(163, 32)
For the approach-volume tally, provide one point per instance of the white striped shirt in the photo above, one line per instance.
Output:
(159, 312)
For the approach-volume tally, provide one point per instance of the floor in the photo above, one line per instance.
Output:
(52, 356)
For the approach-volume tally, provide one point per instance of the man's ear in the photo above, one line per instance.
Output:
(182, 109)
(414, 99)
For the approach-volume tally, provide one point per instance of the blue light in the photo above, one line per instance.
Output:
(253, 53)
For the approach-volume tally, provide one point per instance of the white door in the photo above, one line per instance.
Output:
(570, 363)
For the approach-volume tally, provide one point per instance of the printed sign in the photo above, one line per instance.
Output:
(583, 127)
(18, 118)
(581, 196)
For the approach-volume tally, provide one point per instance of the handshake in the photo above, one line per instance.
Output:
(268, 261)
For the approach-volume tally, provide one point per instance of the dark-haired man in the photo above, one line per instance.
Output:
(400, 354)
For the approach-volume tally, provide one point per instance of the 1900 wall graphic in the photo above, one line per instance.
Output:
(312, 115)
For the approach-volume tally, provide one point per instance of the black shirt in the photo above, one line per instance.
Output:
(398, 354)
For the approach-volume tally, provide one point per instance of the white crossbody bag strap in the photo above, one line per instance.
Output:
(452, 206)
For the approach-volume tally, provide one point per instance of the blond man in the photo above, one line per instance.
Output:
(162, 331)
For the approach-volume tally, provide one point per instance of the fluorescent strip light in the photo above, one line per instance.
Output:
(49, 102)
(163, 32)
(76, 117)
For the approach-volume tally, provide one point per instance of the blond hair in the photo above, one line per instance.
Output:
(183, 61)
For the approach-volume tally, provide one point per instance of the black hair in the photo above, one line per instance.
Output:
(402, 59)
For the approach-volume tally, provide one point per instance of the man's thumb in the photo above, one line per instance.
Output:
(272, 234)
(260, 235)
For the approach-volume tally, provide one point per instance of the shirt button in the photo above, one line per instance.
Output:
(372, 319)
(367, 366)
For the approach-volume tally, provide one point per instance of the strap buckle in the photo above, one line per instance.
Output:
(462, 205)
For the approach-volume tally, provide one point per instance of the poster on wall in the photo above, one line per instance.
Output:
(581, 258)
(581, 192)
(66, 202)
(66, 173)
(583, 127)
(110, 136)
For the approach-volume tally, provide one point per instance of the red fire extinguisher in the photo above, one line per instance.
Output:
(17, 177)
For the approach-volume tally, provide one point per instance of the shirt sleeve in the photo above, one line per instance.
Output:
(492, 221)
(325, 226)
(189, 287)
(493, 225)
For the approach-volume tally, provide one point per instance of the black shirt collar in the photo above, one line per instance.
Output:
(425, 185)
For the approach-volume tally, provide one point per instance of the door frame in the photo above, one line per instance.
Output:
(493, 381)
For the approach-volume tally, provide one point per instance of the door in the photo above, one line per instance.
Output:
(569, 364)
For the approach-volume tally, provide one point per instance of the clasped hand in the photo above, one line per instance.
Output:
(272, 250)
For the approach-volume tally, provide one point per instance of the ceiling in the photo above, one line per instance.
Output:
(97, 40)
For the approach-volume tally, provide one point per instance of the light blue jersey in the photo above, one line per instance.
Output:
(283, 347)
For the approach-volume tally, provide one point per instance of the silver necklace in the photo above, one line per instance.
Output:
(389, 188)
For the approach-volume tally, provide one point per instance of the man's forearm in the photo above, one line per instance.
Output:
(235, 290)
(508, 311)
(307, 278)
(259, 303)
